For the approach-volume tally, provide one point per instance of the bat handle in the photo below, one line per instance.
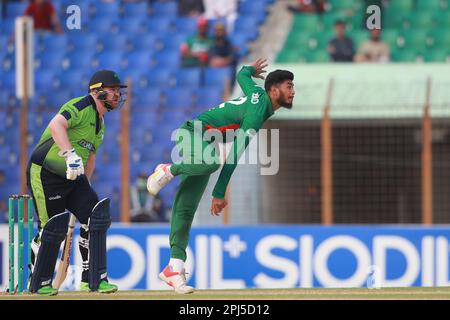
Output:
(72, 221)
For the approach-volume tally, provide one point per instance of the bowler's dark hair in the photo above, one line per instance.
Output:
(277, 77)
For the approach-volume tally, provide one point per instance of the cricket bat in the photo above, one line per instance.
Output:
(61, 273)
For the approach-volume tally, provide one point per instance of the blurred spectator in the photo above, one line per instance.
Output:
(313, 6)
(373, 50)
(221, 53)
(194, 52)
(192, 8)
(222, 9)
(44, 15)
(340, 48)
(144, 206)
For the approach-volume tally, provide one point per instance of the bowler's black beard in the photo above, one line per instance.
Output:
(286, 104)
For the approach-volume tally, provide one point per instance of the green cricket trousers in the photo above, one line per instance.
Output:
(199, 160)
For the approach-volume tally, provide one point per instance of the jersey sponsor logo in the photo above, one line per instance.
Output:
(55, 197)
(236, 102)
(255, 98)
(87, 145)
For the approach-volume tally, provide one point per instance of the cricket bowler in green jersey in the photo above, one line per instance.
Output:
(58, 177)
(245, 115)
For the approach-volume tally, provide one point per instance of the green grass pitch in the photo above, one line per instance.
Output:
(416, 293)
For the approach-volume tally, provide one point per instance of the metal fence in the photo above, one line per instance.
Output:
(377, 169)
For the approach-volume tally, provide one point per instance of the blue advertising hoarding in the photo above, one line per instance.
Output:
(274, 256)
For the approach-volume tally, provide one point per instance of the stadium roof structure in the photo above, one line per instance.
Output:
(367, 91)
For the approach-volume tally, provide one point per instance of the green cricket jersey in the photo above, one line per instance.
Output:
(248, 112)
(86, 130)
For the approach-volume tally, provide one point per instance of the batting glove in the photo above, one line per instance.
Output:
(74, 164)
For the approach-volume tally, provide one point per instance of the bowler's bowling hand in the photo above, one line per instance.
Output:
(217, 205)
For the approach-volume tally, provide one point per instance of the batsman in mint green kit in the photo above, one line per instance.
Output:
(58, 177)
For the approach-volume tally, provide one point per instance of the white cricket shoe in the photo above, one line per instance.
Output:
(159, 179)
(177, 280)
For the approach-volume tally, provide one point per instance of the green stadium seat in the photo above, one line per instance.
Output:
(297, 40)
(405, 55)
(306, 22)
(352, 21)
(393, 20)
(390, 36)
(359, 37)
(444, 19)
(344, 5)
(432, 5)
(401, 6)
(440, 38)
(393, 52)
(421, 20)
(329, 19)
(397, 14)
(358, 21)
(436, 55)
(318, 56)
(414, 39)
(320, 40)
(288, 56)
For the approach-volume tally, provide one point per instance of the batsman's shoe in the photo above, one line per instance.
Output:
(103, 287)
(84, 286)
(47, 291)
(177, 280)
(106, 287)
(159, 179)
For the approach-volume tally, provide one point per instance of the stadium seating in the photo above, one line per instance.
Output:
(247, 25)
(15, 9)
(50, 60)
(188, 77)
(147, 41)
(112, 60)
(165, 9)
(185, 25)
(114, 42)
(53, 43)
(141, 41)
(107, 10)
(167, 59)
(422, 26)
(216, 77)
(135, 10)
(80, 60)
(149, 98)
(131, 25)
(160, 77)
